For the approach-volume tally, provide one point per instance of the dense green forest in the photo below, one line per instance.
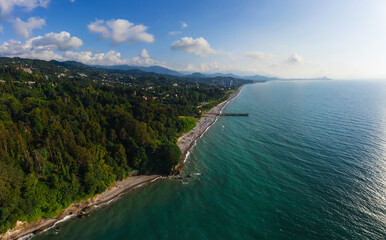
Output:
(68, 131)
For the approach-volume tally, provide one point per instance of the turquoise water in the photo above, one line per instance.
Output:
(308, 163)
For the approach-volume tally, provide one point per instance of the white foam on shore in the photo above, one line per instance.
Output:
(155, 179)
(186, 156)
(206, 129)
(195, 141)
(60, 221)
(114, 199)
(26, 237)
(105, 203)
(64, 219)
(117, 197)
(140, 185)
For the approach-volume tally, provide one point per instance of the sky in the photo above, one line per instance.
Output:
(343, 39)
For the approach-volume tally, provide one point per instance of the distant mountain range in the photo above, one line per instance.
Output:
(153, 69)
(258, 78)
(79, 71)
(138, 70)
(167, 71)
(318, 78)
(253, 77)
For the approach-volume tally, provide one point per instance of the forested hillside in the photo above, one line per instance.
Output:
(68, 132)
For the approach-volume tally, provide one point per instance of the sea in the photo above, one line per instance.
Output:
(309, 162)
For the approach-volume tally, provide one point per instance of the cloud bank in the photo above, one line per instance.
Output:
(41, 47)
(50, 45)
(110, 58)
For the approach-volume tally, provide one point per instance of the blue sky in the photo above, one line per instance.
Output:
(288, 38)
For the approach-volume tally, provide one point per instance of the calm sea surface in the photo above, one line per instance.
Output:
(308, 163)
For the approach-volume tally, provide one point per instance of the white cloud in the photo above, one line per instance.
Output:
(258, 55)
(61, 41)
(174, 32)
(143, 60)
(198, 46)
(7, 6)
(24, 29)
(144, 54)
(121, 30)
(41, 47)
(183, 26)
(99, 27)
(295, 58)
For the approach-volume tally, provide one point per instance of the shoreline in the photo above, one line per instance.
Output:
(186, 142)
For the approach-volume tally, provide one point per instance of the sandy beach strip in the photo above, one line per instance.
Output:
(185, 143)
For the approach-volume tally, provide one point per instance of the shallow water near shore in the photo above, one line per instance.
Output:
(308, 163)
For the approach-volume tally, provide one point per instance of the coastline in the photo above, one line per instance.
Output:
(24, 230)
(187, 141)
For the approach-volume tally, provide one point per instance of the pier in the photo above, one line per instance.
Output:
(230, 114)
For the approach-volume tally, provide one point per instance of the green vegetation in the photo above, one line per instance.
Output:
(68, 131)
(187, 123)
(212, 103)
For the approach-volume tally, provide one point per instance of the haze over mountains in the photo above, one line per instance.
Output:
(154, 69)
(159, 70)
(167, 71)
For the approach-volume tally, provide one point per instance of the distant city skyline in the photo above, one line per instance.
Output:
(292, 39)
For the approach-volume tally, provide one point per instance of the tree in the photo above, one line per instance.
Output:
(168, 155)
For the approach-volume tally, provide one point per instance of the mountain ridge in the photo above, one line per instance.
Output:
(167, 71)
(154, 69)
